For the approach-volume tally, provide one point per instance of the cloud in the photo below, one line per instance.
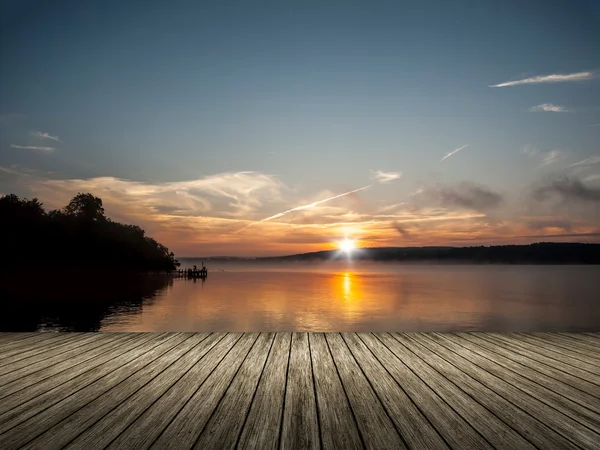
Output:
(589, 161)
(41, 135)
(467, 195)
(402, 231)
(384, 177)
(530, 150)
(568, 188)
(31, 147)
(233, 195)
(311, 205)
(593, 177)
(553, 78)
(550, 223)
(456, 150)
(548, 107)
(552, 157)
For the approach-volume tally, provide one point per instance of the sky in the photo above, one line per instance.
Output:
(256, 128)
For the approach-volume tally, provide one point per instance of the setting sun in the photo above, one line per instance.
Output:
(347, 245)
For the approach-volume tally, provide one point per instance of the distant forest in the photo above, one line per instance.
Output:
(79, 236)
(539, 253)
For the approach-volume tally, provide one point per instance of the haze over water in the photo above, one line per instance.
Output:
(328, 297)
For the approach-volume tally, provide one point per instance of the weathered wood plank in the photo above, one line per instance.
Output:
(575, 345)
(581, 337)
(38, 353)
(59, 355)
(490, 428)
(576, 367)
(556, 420)
(25, 339)
(534, 431)
(30, 419)
(565, 350)
(523, 380)
(224, 426)
(556, 386)
(183, 431)
(37, 343)
(553, 368)
(119, 407)
(76, 417)
(152, 422)
(261, 430)
(34, 382)
(414, 427)
(375, 426)
(401, 364)
(300, 421)
(337, 423)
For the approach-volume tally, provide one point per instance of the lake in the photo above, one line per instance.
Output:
(327, 297)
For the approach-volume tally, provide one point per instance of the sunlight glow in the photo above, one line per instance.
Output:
(347, 245)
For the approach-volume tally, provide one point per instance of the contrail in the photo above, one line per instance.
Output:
(310, 205)
(453, 152)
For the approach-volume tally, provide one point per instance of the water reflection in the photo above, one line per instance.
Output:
(411, 298)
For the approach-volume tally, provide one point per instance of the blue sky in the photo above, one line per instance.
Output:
(276, 105)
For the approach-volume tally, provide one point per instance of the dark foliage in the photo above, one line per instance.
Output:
(78, 236)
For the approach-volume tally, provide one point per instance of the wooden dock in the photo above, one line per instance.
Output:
(299, 390)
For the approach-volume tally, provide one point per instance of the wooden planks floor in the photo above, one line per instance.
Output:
(299, 390)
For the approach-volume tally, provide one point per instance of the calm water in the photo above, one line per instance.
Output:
(324, 298)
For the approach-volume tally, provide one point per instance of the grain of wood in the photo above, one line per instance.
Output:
(27, 366)
(564, 350)
(160, 378)
(185, 428)
(583, 392)
(12, 339)
(224, 426)
(50, 410)
(523, 380)
(33, 382)
(38, 343)
(337, 423)
(583, 348)
(581, 337)
(24, 401)
(498, 404)
(555, 420)
(414, 427)
(300, 422)
(579, 368)
(488, 426)
(375, 426)
(101, 400)
(569, 374)
(152, 422)
(261, 430)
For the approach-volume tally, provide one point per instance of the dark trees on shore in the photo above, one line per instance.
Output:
(78, 236)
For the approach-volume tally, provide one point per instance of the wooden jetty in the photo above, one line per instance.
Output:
(299, 390)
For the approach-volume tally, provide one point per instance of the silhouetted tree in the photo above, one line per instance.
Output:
(77, 235)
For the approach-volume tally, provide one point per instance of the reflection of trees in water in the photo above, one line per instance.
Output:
(74, 302)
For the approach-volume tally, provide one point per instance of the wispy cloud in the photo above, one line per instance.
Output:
(311, 205)
(456, 150)
(593, 177)
(32, 147)
(589, 161)
(384, 177)
(549, 107)
(553, 78)
(552, 156)
(530, 150)
(41, 135)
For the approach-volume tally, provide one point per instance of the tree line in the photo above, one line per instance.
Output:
(77, 236)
